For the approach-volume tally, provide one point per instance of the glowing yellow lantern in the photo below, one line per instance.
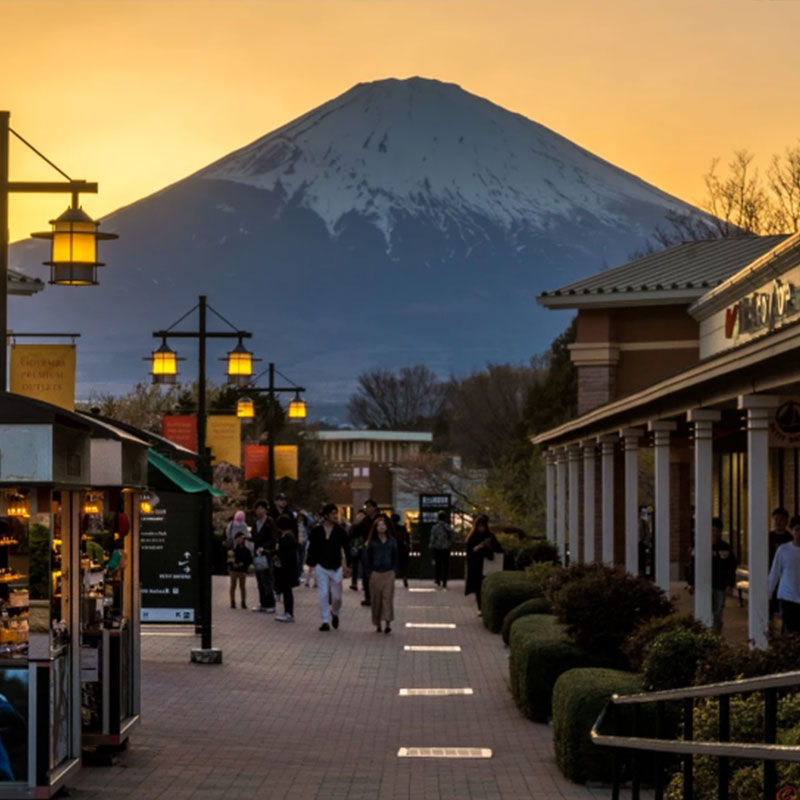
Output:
(92, 505)
(73, 251)
(245, 408)
(165, 364)
(297, 409)
(240, 365)
(19, 507)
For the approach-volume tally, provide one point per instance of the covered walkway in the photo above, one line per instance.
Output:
(297, 714)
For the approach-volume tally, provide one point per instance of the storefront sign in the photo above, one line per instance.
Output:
(224, 437)
(784, 427)
(762, 311)
(168, 567)
(44, 372)
(181, 429)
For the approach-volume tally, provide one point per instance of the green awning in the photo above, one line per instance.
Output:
(160, 468)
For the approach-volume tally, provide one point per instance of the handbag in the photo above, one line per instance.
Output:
(260, 562)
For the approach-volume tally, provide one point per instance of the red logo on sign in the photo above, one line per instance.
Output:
(787, 793)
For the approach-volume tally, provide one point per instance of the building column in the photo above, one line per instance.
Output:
(703, 420)
(661, 430)
(561, 503)
(760, 409)
(607, 444)
(550, 495)
(588, 500)
(631, 438)
(574, 504)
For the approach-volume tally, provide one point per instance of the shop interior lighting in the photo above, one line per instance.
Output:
(18, 506)
(92, 505)
(73, 248)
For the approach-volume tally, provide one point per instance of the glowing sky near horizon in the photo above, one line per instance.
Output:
(136, 94)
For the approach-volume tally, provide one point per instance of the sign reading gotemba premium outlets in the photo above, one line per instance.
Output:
(44, 372)
(762, 311)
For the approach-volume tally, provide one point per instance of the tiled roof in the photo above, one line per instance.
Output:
(22, 284)
(693, 267)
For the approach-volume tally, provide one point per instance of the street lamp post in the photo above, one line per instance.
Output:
(74, 235)
(297, 412)
(165, 371)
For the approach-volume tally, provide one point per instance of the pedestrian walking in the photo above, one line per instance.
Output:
(441, 541)
(241, 559)
(238, 525)
(356, 542)
(303, 527)
(403, 548)
(265, 542)
(327, 553)
(286, 568)
(481, 545)
(382, 559)
(785, 575)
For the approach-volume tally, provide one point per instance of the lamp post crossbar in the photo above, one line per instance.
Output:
(204, 334)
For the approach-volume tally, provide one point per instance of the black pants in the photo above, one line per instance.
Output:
(790, 614)
(266, 599)
(365, 574)
(288, 601)
(356, 562)
(441, 560)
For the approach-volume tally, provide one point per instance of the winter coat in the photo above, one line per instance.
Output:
(475, 559)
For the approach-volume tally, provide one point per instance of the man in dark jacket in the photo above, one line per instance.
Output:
(360, 532)
(265, 542)
(327, 553)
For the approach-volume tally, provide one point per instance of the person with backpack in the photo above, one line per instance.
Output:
(442, 536)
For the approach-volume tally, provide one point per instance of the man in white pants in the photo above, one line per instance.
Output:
(327, 553)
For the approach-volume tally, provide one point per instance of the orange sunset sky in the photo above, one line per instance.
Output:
(136, 94)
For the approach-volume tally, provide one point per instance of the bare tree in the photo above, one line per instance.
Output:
(783, 177)
(408, 400)
(431, 473)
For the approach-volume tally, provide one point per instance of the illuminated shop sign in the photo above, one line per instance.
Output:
(762, 311)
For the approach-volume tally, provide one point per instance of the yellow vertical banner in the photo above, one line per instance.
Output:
(224, 437)
(44, 372)
(286, 461)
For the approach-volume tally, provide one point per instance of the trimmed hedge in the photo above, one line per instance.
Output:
(578, 698)
(503, 591)
(537, 605)
(540, 652)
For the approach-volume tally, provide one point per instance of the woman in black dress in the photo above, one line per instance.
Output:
(481, 544)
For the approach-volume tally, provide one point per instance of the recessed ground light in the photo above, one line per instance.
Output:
(448, 625)
(433, 692)
(444, 752)
(432, 648)
(413, 589)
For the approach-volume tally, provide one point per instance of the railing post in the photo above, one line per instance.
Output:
(615, 765)
(658, 759)
(770, 733)
(723, 771)
(635, 780)
(688, 762)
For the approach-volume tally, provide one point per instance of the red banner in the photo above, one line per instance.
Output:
(255, 461)
(181, 429)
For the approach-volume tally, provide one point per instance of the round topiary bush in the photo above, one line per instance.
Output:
(637, 643)
(673, 657)
(502, 591)
(538, 605)
(600, 606)
(539, 551)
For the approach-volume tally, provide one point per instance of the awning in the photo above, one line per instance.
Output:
(167, 475)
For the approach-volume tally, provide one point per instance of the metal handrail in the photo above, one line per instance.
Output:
(769, 752)
(780, 680)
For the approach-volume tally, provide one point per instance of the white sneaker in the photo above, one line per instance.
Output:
(284, 618)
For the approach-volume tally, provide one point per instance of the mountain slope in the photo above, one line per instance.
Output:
(402, 222)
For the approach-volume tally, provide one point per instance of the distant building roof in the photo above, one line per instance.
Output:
(678, 274)
(22, 284)
(375, 436)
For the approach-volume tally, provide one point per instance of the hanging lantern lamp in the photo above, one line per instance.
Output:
(245, 408)
(297, 409)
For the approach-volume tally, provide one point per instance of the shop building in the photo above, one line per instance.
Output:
(364, 464)
(693, 352)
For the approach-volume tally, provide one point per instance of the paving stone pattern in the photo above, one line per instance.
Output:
(295, 714)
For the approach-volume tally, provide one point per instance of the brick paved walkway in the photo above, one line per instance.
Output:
(298, 714)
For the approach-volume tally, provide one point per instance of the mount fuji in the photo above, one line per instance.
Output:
(403, 222)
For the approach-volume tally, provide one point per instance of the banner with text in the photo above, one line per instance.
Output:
(256, 458)
(44, 372)
(181, 429)
(224, 437)
(255, 461)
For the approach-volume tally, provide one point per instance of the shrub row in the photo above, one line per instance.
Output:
(503, 591)
(537, 605)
